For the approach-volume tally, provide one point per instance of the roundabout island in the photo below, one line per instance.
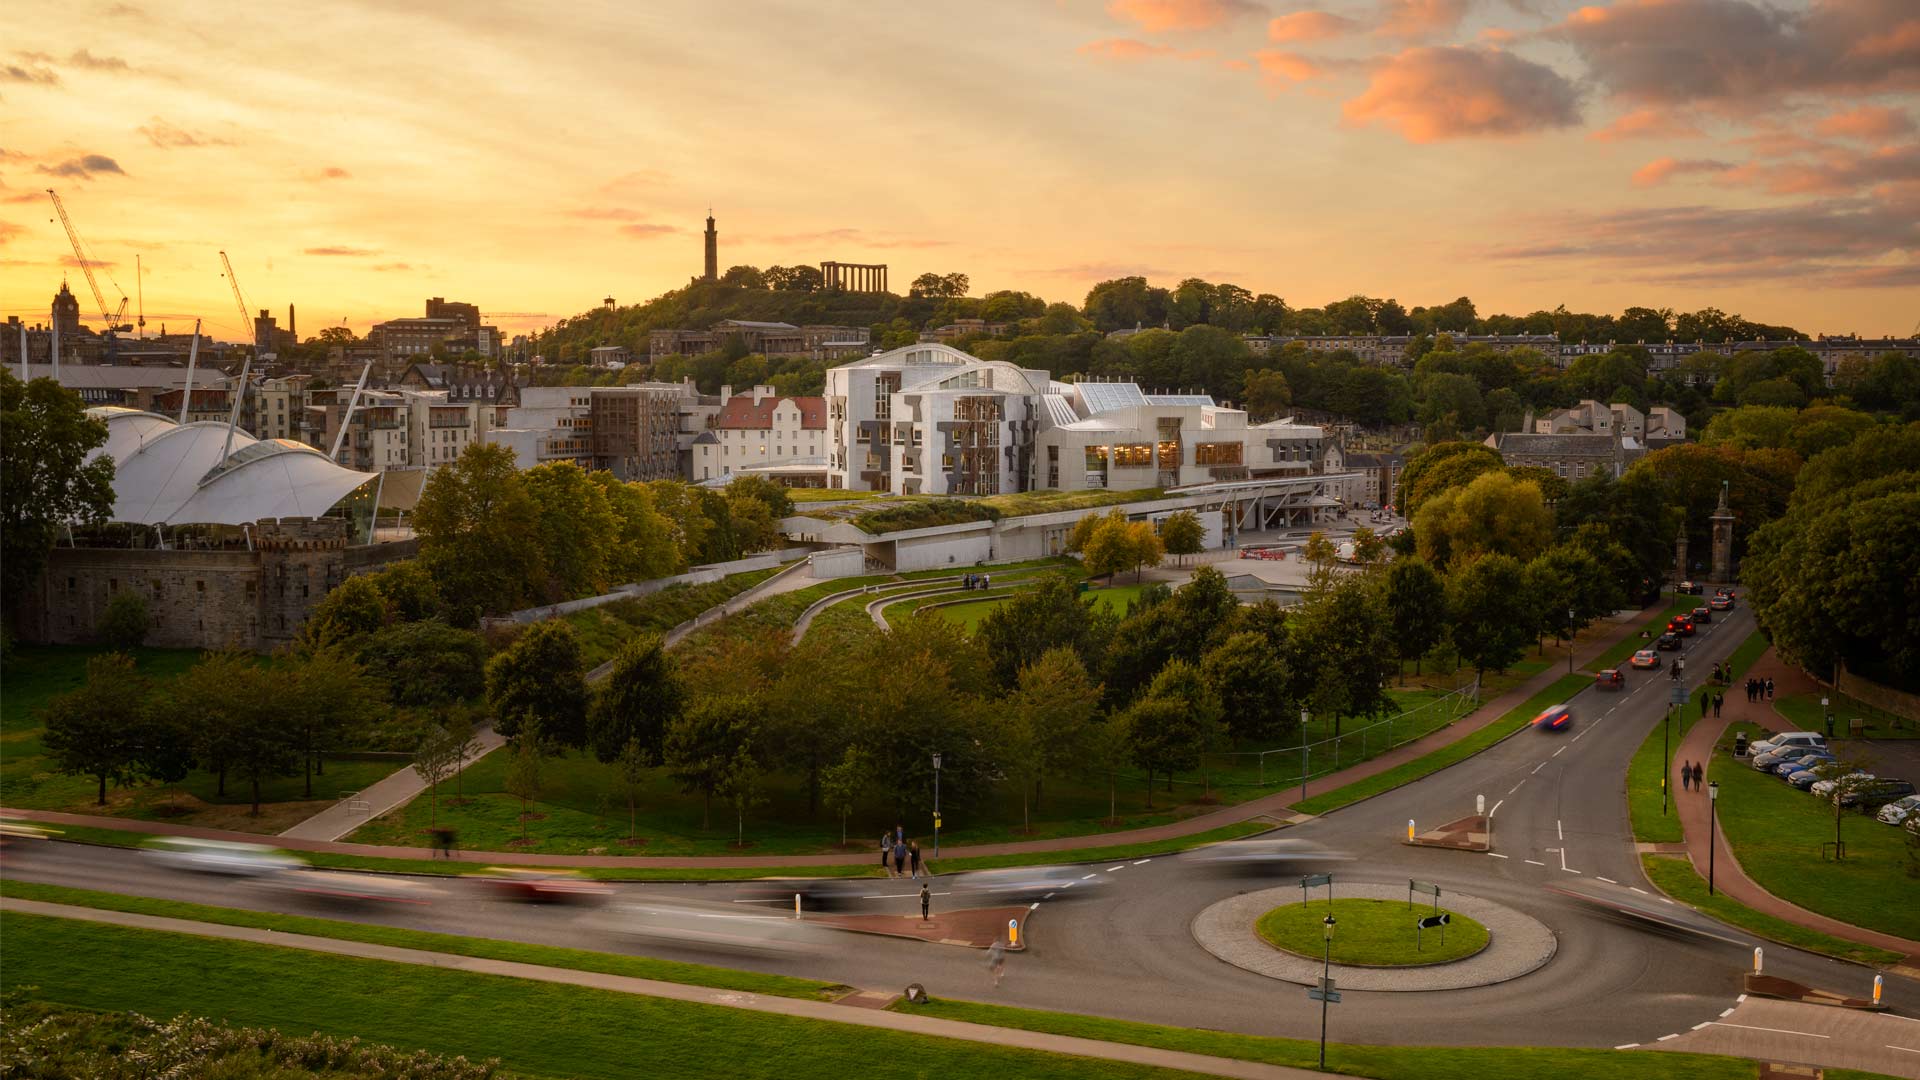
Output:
(1371, 933)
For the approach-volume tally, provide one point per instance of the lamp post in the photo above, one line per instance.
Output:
(936, 805)
(1713, 826)
(1305, 755)
(1569, 641)
(1666, 758)
(1326, 970)
(1827, 716)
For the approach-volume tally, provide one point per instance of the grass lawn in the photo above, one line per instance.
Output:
(1776, 833)
(1624, 649)
(1515, 720)
(1375, 933)
(1652, 824)
(1804, 711)
(639, 967)
(602, 630)
(1675, 876)
(1384, 1062)
(534, 1028)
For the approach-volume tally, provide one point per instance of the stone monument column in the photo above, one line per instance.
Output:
(1722, 539)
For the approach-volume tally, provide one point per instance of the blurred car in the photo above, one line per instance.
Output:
(1682, 625)
(1721, 603)
(1825, 788)
(1259, 856)
(1703, 613)
(1764, 762)
(1691, 588)
(1611, 679)
(219, 856)
(1784, 739)
(816, 894)
(545, 886)
(1804, 778)
(1899, 810)
(15, 835)
(1727, 594)
(1645, 658)
(1808, 761)
(1875, 792)
(1022, 884)
(1668, 641)
(1554, 718)
(334, 885)
(709, 927)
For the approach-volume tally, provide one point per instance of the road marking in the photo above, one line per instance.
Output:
(1033, 906)
(1740, 999)
(1776, 1031)
(1496, 855)
(1701, 1024)
(1726, 1012)
(1583, 731)
(1538, 767)
(1111, 869)
(1560, 751)
(1559, 831)
(1626, 1046)
(1664, 1038)
(1570, 871)
(1532, 862)
(1608, 880)
(1639, 890)
(1140, 862)
(1089, 877)
(1664, 900)
(1903, 1049)
(1515, 787)
(1496, 808)
(875, 896)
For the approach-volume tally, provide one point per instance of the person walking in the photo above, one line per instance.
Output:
(899, 858)
(1769, 689)
(1686, 775)
(997, 960)
(1699, 771)
(886, 853)
(913, 857)
(1718, 700)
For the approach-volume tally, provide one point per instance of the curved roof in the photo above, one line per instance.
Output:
(176, 474)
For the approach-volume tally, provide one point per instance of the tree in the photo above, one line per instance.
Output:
(1109, 548)
(210, 700)
(1174, 723)
(523, 774)
(163, 751)
(643, 545)
(1494, 514)
(774, 496)
(1436, 469)
(1054, 702)
(577, 529)
(355, 606)
(92, 731)
(1265, 395)
(703, 745)
(426, 663)
(480, 533)
(1250, 679)
(1320, 553)
(740, 785)
(1125, 304)
(753, 528)
(636, 702)
(1490, 615)
(938, 285)
(45, 480)
(538, 683)
(1048, 615)
(631, 769)
(1182, 534)
(1369, 547)
(1339, 644)
(1109, 746)
(330, 695)
(435, 759)
(843, 784)
(124, 624)
(1416, 610)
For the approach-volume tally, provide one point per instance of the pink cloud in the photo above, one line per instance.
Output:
(1420, 18)
(1309, 26)
(1660, 170)
(645, 231)
(1867, 122)
(1158, 16)
(1447, 92)
(1279, 67)
(1647, 124)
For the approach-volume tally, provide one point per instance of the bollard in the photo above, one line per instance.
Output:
(1480, 805)
(1876, 989)
(796, 905)
(1013, 932)
(1756, 959)
(1409, 830)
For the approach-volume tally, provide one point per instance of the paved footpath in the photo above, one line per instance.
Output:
(1275, 808)
(395, 790)
(1694, 807)
(794, 1007)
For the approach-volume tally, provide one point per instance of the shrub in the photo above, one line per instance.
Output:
(125, 623)
(426, 663)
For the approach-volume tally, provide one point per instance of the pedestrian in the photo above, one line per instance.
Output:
(1769, 689)
(442, 843)
(1706, 699)
(913, 857)
(1686, 775)
(997, 960)
(1718, 700)
(926, 902)
(986, 582)
(899, 833)
(886, 853)
(1749, 691)
(899, 859)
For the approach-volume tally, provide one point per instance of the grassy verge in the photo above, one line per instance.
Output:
(1675, 876)
(1652, 824)
(1376, 933)
(534, 1028)
(1776, 832)
(638, 967)
(1384, 1062)
(1804, 711)
(602, 630)
(1624, 649)
(1516, 718)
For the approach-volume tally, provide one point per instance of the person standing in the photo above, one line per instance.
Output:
(899, 858)
(913, 857)
(997, 960)
(886, 853)
(1706, 699)
(1769, 689)
(1718, 700)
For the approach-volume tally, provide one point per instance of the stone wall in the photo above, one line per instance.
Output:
(1897, 702)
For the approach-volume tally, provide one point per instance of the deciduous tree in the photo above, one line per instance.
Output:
(1416, 610)
(636, 702)
(1182, 534)
(1491, 617)
(480, 533)
(538, 683)
(703, 745)
(45, 480)
(93, 731)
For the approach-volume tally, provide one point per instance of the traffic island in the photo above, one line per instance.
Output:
(1774, 986)
(968, 928)
(1474, 833)
(1515, 944)
(1372, 933)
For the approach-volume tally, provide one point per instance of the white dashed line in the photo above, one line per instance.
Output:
(1740, 1000)
(1515, 787)
(1626, 1046)
(1701, 1024)
(1496, 855)
(1532, 862)
(1538, 767)
(1141, 862)
(1608, 880)
(1570, 871)
(1724, 1013)
(1902, 1049)
(1560, 751)
(1664, 900)
(1111, 869)
(1776, 1031)
(1496, 808)
(1664, 1038)
(1560, 832)
(1089, 877)
(1033, 906)
(1639, 890)
(1049, 896)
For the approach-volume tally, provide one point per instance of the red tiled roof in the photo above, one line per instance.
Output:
(741, 413)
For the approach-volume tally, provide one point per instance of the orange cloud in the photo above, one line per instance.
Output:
(1309, 26)
(1647, 124)
(1157, 16)
(1448, 92)
(1866, 122)
(1420, 18)
(1660, 170)
(644, 231)
(1127, 50)
(1279, 67)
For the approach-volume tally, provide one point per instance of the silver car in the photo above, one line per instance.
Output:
(1899, 810)
(220, 856)
(1825, 788)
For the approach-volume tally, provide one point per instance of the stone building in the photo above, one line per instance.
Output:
(770, 339)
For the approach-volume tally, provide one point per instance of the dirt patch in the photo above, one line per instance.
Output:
(533, 815)
(632, 841)
(518, 842)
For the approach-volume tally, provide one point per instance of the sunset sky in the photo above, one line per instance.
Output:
(354, 158)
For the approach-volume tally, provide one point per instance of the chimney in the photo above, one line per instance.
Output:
(726, 394)
(761, 393)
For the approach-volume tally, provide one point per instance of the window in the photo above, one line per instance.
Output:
(1216, 453)
(1096, 459)
(1133, 456)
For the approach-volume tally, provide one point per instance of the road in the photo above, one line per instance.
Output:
(1121, 946)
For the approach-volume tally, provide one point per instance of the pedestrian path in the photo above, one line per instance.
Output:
(1693, 807)
(395, 790)
(732, 999)
(1274, 808)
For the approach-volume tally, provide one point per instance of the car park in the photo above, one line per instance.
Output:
(1789, 738)
(1702, 614)
(1645, 658)
(1875, 792)
(1610, 679)
(1765, 762)
(1804, 778)
(1667, 641)
(1554, 718)
(1897, 811)
(1811, 760)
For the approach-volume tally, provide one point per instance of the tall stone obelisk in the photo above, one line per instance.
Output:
(1722, 539)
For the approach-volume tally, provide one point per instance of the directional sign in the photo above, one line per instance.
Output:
(1314, 881)
(1431, 921)
(1678, 695)
(1332, 997)
(1423, 887)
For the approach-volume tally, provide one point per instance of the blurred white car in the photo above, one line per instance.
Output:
(1825, 788)
(219, 856)
(1899, 810)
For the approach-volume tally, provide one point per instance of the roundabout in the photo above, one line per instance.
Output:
(1254, 931)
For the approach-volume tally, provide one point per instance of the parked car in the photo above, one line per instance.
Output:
(1789, 738)
(1645, 658)
(1876, 792)
(1765, 762)
(1804, 778)
(1721, 603)
(1899, 810)
(1807, 761)
(1703, 613)
(1611, 679)
(1825, 788)
(1683, 625)
(1667, 641)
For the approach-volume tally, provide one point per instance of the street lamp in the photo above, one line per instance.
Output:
(1326, 984)
(936, 805)
(1713, 826)
(1305, 756)
(1666, 757)
(1825, 715)
(1569, 641)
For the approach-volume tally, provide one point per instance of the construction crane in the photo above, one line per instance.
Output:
(240, 302)
(113, 319)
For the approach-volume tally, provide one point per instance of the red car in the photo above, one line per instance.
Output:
(1611, 679)
(546, 886)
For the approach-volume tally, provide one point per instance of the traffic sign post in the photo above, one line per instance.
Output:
(1430, 922)
(1314, 881)
(1423, 887)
